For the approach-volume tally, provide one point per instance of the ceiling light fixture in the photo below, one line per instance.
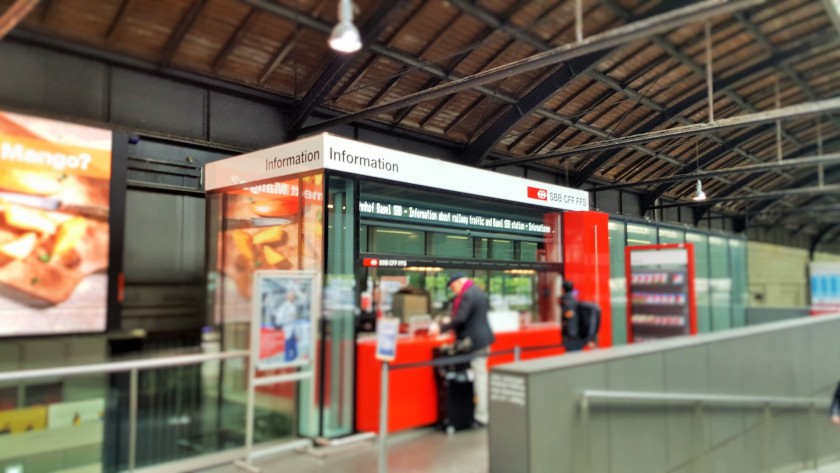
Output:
(345, 37)
(699, 194)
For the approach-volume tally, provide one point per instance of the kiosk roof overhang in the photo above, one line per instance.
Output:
(327, 151)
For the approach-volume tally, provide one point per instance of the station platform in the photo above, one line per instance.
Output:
(415, 451)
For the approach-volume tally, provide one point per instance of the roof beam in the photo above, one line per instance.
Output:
(723, 85)
(749, 169)
(759, 118)
(181, 30)
(235, 39)
(119, 19)
(747, 180)
(824, 232)
(15, 14)
(610, 39)
(339, 64)
(801, 191)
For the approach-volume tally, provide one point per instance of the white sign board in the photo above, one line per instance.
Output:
(341, 154)
(387, 331)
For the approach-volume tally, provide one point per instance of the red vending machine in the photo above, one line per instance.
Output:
(660, 292)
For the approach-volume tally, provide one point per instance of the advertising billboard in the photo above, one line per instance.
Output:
(54, 227)
(825, 288)
(286, 304)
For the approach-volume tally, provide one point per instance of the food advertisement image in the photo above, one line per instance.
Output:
(54, 232)
(269, 226)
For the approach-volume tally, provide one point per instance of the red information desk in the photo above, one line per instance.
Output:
(412, 395)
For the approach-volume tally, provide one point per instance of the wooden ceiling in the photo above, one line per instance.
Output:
(656, 83)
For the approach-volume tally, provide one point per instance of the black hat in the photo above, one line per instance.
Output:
(455, 277)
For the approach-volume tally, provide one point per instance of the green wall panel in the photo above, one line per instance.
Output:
(618, 282)
(720, 283)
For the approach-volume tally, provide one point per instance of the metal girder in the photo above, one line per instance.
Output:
(476, 152)
(181, 30)
(805, 47)
(747, 180)
(748, 169)
(802, 191)
(606, 40)
(785, 113)
(339, 64)
(14, 15)
(821, 236)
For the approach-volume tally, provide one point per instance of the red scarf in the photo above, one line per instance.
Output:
(457, 302)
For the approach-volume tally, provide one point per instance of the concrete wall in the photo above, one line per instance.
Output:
(547, 433)
(778, 275)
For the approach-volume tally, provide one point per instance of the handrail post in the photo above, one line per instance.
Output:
(133, 385)
(517, 355)
(768, 433)
(587, 434)
(383, 419)
(815, 454)
(700, 441)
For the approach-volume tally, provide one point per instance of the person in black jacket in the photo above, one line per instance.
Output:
(573, 325)
(472, 330)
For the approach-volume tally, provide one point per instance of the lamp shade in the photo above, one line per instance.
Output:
(699, 194)
(345, 37)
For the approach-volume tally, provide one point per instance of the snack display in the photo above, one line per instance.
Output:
(54, 230)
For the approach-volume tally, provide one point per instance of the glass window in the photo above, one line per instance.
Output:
(738, 270)
(397, 241)
(640, 234)
(455, 246)
(363, 238)
(501, 249)
(481, 246)
(528, 251)
(667, 235)
(720, 283)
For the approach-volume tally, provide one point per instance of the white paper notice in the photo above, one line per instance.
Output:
(506, 388)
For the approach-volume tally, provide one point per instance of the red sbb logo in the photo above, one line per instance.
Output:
(537, 193)
(370, 262)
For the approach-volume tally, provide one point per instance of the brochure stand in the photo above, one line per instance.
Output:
(660, 292)
(283, 335)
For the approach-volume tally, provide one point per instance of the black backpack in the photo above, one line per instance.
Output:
(589, 319)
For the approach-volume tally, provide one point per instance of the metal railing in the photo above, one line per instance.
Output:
(443, 361)
(133, 367)
(700, 402)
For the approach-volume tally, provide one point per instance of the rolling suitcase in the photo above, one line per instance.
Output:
(456, 399)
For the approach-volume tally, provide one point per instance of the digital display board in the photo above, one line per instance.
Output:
(54, 226)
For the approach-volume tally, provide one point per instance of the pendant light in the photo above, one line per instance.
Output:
(699, 195)
(345, 37)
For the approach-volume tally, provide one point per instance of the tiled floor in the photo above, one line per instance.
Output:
(414, 452)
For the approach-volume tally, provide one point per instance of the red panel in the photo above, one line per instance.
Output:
(412, 395)
(586, 250)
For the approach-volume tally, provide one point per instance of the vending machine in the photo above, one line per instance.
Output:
(660, 292)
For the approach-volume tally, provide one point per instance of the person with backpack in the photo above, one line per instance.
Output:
(580, 321)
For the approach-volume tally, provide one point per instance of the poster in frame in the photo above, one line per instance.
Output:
(286, 307)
